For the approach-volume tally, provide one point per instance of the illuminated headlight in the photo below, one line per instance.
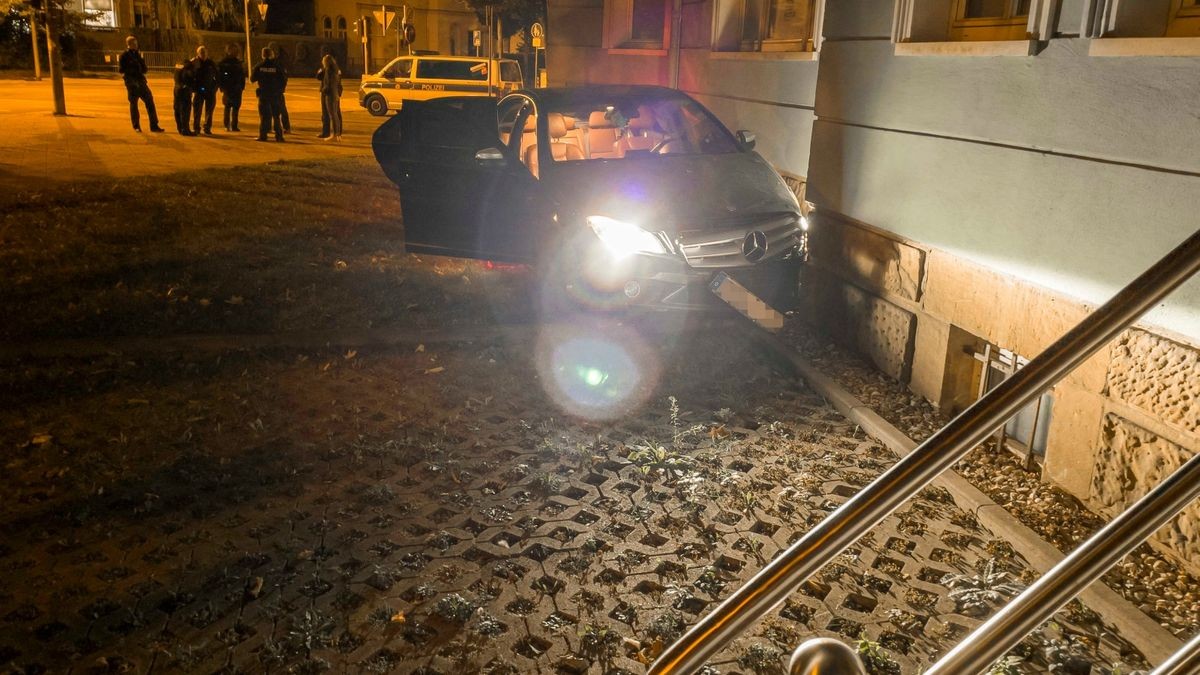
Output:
(624, 239)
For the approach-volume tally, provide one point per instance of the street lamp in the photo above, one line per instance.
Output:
(262, 12)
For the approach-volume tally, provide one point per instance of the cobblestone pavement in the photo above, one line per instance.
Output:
(435, 511)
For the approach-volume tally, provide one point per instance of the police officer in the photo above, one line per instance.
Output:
(183, 97)
(281, 62)
(205, 79)
(232, 82)
(271, 80)
(133, 71)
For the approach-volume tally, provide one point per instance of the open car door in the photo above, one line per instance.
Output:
(455, 199)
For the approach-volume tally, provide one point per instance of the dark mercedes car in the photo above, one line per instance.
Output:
(617, 194)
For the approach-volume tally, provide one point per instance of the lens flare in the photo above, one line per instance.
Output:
(595, 369)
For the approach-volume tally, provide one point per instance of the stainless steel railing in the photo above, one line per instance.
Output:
(1186, 661)
(889, 491)
(825, 656)
(1076, 572)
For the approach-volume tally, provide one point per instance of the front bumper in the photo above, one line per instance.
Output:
(673, 282)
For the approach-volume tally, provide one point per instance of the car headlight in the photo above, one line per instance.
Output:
(624, 239)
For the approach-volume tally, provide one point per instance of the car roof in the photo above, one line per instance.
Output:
(441, 57)
(556, 97)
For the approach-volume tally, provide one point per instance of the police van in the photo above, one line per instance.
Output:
(419, 78)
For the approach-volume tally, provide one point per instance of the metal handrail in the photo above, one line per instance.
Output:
(825, 656)
(771, 585)
(1186, 661)
(1076, 572)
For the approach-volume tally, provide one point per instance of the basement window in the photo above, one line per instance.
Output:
(766, 25)
(1025, 433)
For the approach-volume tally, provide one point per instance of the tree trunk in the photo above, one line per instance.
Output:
(56, 67)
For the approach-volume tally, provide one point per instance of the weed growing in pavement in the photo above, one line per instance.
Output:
(680, 595)
(762, 659)
(588, 602)
(454, 608)
(1009, 665)
(654, 460)
(312, 630)
(976, 594)
(876, 661)
(487, 626)
(667, 626)
(598, 643)
(547, 484)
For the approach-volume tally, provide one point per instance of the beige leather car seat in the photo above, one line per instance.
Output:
(642, 132)
(601, 136)
(560, 149)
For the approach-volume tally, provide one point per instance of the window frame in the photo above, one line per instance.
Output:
(327, 27)
(618, 30)
(1009, 26)
(729, 29)
(99, 19)
(341, 27)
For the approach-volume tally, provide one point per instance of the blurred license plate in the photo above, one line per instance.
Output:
(746, 303)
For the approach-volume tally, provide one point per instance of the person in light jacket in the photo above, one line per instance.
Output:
(330, 77)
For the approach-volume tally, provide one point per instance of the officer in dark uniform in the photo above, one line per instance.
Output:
(271, 80)
(205, 78)
(232, 84)
(133, 70)
(183, 97)
(281, 61)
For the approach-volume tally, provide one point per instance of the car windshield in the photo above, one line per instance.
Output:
(635, 126)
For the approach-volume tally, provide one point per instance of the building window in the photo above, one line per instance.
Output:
(765, 25)
(965, 21)
(98, 13)
(636, 24)
(327, 27)
(141, 15)
(1025, 433)
(990, 20)
(341, 27)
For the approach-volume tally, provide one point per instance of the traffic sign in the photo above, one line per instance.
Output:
(538, 35)
(410, 33)
(384, 18)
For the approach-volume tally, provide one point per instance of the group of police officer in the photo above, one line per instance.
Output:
(197, 82)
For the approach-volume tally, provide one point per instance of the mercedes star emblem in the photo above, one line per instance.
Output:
(755, 246)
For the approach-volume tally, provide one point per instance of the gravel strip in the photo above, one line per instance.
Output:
(1153, 583)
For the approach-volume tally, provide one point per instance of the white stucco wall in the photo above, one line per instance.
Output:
(1069, 171)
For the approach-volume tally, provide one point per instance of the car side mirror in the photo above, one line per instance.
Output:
(746, 138)
(490, 157)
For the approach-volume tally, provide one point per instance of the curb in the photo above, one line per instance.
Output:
(1156, 643)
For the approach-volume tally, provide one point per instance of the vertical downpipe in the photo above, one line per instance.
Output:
(676, 36)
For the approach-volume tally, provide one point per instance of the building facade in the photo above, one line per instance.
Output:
(446, 28)
(986, 172)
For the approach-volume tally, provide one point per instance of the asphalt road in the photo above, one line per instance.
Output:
(94, 140)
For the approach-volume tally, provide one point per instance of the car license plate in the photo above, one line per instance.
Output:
(748, 304)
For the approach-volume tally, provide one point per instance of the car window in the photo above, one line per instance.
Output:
(506, 120)
(631, 127)
(399, 69)
(434, 69)
(443, 124)
(510, 71)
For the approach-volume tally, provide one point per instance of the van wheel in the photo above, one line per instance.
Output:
(376, 105)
